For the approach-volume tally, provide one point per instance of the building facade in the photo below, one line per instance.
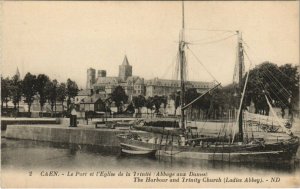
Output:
(165, 87)
(92, 103)
(135, 85)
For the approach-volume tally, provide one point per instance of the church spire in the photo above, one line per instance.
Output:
(18, 73)
(125, 61)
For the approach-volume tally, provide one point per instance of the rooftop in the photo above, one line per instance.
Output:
(92, 99)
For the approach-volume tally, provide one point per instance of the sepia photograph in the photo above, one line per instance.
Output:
(160, 94)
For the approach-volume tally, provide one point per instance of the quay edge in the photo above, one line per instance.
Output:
(71, 135)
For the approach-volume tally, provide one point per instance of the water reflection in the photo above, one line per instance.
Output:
(25, 154)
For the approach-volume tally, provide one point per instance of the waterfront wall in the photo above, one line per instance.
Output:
(27, 121)
(57, 133)
(88, 135)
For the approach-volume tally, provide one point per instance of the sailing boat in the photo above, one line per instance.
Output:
(180, 143)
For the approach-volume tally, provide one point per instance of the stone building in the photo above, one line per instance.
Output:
(83, 94)
(135, 85)
(92, 103)
(166, 87)
(106, 84)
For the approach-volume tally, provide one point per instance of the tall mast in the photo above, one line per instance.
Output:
(240, 72)
(182, 15)
(182, 69)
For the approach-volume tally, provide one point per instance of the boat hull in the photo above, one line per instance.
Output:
(242, 157)
(150, 153)
(278, 152)
(135, 150)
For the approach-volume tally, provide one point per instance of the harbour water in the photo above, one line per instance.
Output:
(24, 155)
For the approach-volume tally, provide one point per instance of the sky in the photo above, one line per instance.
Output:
(63, 38)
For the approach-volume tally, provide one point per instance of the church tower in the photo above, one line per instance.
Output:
(91, 78)
(125, 70)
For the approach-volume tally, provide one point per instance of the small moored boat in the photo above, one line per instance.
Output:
(132, 149)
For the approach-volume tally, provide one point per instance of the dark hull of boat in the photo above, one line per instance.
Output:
(275, 152)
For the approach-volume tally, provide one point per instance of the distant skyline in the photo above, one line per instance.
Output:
(63, 39)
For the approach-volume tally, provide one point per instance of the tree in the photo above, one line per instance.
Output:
(139, 102)
(5, 91)
(149, 104)
(41, 82)
(190, 95)
(29, 89)
(164, 101)
(71, 91)
(176, 97)
(289, 78)
(61, 94)
(119, 97)
(130, 109)
(16, 91)
(51, 88)
(225, 99)
(278, 84)
(227, 95)
(255, 91)
(158, 101)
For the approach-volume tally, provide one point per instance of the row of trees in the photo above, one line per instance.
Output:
(13, 89)
(209, 102)
(153, 103)
(216, 100)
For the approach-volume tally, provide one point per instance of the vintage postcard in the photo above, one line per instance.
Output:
(139, 94)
